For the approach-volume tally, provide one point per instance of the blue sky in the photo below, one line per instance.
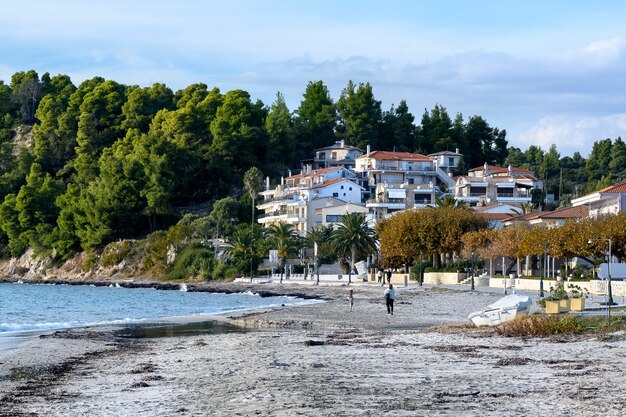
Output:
(546, 71)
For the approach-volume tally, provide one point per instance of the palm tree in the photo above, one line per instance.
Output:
(253, 183)
(240, 247)
(354, 237)
(318, 236)
(285, 240)
(449, 201)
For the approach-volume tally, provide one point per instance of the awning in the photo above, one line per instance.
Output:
(398, 193)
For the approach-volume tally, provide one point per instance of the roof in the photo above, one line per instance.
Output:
(617, 188)
(315, 172)
(576, 212)
(494, 216)
(396, 156)
(445, 153)
(331, 182)
(339, 145)
(527, 216)
(495, 169)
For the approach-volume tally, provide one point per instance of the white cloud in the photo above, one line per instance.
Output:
(570, 133)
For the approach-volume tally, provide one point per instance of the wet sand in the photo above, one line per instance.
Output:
(321, 360)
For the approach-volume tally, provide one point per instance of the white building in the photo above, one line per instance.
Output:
(609, 200)
(492, 184)
(338, 154)
(446, 160)
(297, 197)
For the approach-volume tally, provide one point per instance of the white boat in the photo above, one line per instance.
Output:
(505, 309)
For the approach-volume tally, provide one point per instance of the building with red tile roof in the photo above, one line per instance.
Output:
(609, 200)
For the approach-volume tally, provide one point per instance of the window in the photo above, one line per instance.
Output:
(350, 189)
(451, 161)
(342, 187)
(411, 180)
(333, 155)
(321, 155)
(335, 194)
(333, 218)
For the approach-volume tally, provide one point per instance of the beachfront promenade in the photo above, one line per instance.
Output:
(595, 300)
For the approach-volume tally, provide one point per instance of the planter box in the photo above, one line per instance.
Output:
(577, 304)
(564, 306)
(552, 307)
(445, 278)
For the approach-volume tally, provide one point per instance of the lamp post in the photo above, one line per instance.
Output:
(472, 273)
(317, 267)
(419, 278)
(543, 270)
(504, 275)
(609, 291)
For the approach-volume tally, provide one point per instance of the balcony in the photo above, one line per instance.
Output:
(390, 203)
(390, 167)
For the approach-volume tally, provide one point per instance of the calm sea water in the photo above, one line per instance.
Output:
(25, 308)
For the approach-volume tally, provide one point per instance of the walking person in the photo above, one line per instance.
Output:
(390, 295)
(380, 276)
(351, 298)
(389, 276)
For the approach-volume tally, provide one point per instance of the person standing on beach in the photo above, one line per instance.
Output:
(351, 298)
(390, 295)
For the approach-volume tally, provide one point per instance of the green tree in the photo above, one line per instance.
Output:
(223, 214)
(143, 104)
(238, 138)
(617, 166)
(398, 129)
(599, 160)
(99, 126)
(434, 128)
(549, 170)
(253, 183)
(316, 119)
(283, 238)
(52, 149)
(27, 91)
(281, 136)
(241, 248)
(355, 238)
(322, 236)
(360, 115)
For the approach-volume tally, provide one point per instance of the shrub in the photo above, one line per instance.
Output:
(543, 326)
(224, 271)
(540, 326)
(193, 261)
(582, 273)
(115, 252)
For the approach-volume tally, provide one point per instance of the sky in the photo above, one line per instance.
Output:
(549, 72)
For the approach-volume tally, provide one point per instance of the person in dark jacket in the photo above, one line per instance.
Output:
(390, 295)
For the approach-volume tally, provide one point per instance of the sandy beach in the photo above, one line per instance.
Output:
(321, 360)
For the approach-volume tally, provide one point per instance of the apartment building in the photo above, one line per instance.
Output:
(609, 200)
(298, 197)
(493, 184)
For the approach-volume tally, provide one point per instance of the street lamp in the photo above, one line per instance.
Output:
(609, 291)
(472, 273)
(543, 269)
(419, 278)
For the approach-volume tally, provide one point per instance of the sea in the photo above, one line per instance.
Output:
(27, 310)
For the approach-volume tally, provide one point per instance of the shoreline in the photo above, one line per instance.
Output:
(322, 360)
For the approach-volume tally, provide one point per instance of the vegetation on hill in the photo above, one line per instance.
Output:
(104, 161)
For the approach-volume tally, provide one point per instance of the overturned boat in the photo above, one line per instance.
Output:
(505, 309)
